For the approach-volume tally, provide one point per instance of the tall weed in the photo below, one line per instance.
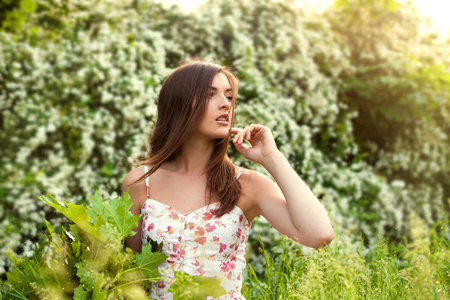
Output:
(418, 268)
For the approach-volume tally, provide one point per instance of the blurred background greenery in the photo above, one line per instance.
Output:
(357, 96)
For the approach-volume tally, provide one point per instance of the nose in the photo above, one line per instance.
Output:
(225, 103)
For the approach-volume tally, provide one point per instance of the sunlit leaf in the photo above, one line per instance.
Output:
(98, 294)
(75, 213)
(98, 206)
(81, 294)
(118, 213)
(195, 287)
(147, 261)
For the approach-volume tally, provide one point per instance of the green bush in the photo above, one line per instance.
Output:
(400, 90)
(72, 112)
(78, 86)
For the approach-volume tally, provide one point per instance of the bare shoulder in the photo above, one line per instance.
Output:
(136, 189)
(255, 181)
(130, 179)
(256, 186)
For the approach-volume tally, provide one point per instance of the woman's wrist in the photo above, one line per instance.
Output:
(273, 160)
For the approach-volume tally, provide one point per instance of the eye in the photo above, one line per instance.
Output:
(230, 98)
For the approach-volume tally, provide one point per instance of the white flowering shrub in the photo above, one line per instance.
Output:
(72, 112)
(78, 100)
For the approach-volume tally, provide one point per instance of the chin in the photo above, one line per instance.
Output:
(222, 136)
(217, 133)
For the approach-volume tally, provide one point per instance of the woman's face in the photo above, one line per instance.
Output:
(217, 119)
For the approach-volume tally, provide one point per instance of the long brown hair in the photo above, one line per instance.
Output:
(181, 106)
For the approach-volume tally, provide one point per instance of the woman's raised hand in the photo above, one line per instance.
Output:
(261, 140)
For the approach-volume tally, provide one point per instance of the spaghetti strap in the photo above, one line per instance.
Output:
(147, 182)
(240, 173)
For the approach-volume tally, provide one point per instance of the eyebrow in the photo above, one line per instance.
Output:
(215, 89)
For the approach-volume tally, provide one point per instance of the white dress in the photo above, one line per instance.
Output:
(197, 243)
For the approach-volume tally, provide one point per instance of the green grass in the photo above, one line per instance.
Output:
(415, 269)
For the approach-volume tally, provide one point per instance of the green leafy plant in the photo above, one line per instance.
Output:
(187, 287)
(89, 262)
(92, 261)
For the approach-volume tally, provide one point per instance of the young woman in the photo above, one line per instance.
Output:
(195, 203)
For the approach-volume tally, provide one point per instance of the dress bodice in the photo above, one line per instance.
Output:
(197, 243)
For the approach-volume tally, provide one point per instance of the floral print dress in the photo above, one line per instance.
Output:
(198, 244)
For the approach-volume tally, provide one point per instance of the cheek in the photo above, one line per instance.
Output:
(210, 113)
(208, 117)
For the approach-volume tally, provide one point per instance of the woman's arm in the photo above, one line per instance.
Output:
(138, 195)
(290, 206)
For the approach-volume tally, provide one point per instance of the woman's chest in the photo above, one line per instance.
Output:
(183, 193)
(163, 224)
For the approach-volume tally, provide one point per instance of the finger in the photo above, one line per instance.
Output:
(254, 129)
(235, 130)
(237, 136)
(242, 135)
(240, 138)
(248, 134)
(241, 149)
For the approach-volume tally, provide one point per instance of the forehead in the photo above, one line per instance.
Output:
(220, 81)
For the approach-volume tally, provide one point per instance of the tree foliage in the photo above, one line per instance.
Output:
(400, 89)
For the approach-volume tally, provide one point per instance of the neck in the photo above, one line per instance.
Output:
(194, 157)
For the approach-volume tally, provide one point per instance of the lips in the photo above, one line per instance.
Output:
(223, 118)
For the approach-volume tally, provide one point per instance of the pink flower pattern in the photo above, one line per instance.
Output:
(198, 244)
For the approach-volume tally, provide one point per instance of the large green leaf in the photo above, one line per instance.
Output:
(76, 213)
(98, 206)
(98, 294)
(148, 261)
(118, 214)
(81, 294)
